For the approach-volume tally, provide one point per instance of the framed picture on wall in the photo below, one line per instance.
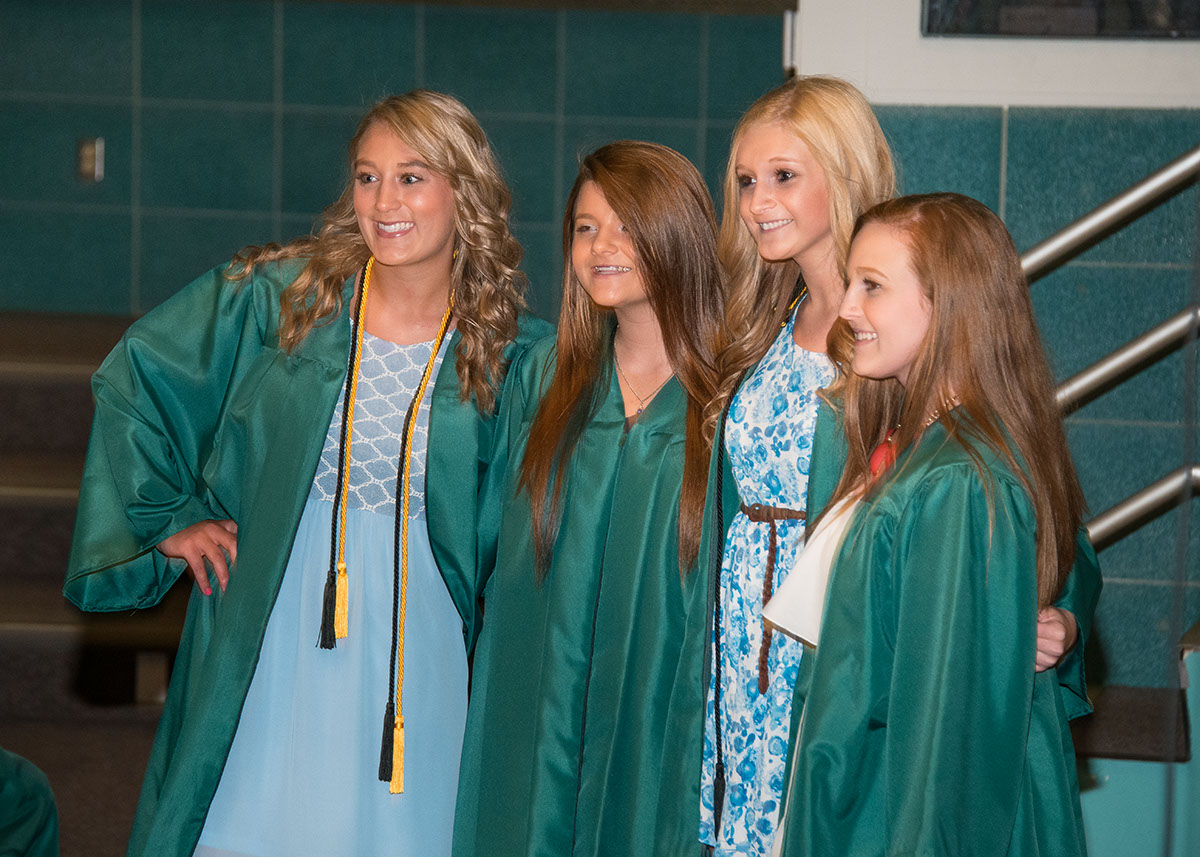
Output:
(1057, 19)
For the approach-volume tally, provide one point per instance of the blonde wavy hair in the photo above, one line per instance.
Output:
(488, 288)
(835, 122)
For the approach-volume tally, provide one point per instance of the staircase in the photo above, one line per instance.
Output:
(80, 694)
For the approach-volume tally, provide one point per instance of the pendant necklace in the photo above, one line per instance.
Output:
(642, 402)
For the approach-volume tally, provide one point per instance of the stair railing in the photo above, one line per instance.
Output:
(1139, 353)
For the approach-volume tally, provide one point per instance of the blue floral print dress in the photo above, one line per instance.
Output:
(768, 437)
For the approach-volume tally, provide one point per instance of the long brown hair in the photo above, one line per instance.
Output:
(662, 200)
(982, 352)
(834, 121)
(488, 288)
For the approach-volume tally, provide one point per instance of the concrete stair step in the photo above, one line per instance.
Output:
(32, 607)
(72, 343)
(46, 363)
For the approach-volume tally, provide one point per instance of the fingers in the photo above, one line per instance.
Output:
(1045, 661)
(195, 567)
(225, 542)
(202, 544)
(1052, 635)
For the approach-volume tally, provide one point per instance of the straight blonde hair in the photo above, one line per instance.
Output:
(835, 122)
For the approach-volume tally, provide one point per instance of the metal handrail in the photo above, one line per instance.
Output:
(1081, 388)
(1074, 239)
(1168, 492)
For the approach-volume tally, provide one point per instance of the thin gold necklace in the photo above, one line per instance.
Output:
(642, 402)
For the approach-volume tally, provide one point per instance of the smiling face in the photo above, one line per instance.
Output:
(405, 209)
(783, 197)
(885, 304)
(602, 254)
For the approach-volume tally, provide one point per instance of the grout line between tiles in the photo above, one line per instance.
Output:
(419, 45)
(135, 156)
(277, 128)
(1002, 198)
(702, 117)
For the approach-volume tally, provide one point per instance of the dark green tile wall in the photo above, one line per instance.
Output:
(215, 51)
(58, 47)
(226, 123)
(951, 148)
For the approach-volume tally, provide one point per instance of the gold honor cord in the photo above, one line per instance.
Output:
(391, 765)
(341, 620)
(334, 604)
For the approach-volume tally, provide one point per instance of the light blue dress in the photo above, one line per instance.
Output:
(302, 774)
(768, 437)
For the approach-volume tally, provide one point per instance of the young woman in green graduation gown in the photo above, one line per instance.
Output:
(312, 423)
(924, 731)
(583, 735)
(807, 159)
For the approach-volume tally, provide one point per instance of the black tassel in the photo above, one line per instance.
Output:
(328, 607)
(718, 793)
(385, 749)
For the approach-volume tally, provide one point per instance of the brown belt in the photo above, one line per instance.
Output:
(768, 514)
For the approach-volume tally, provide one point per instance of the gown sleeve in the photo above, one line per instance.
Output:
(158, 398)
(520, 395)
(963, 615)
(1080, 593)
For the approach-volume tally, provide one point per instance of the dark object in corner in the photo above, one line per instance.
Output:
(1142, 723)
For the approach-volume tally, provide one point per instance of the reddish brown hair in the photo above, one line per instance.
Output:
(661, 199)
(983, 352)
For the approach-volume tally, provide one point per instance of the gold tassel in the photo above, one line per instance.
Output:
(397, 785)
(341, 615)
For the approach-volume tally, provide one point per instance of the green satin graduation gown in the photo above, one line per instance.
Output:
(200, 415)
(926, 731)
(28, 814)
(1079, 596)
(585, 720)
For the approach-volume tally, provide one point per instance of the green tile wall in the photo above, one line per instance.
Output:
(226, 123)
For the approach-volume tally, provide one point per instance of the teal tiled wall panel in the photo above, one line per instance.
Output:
(54, 263)
(950, 148)
(620, 64)
(207, 158)
(179, 247)
(737, 74)
(347, 54)
(1085, 311)
(316, 159)
(521, 46)
(58, 47)
(239, 111)
(37, 153)
(213, 51)
(1063, 163)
